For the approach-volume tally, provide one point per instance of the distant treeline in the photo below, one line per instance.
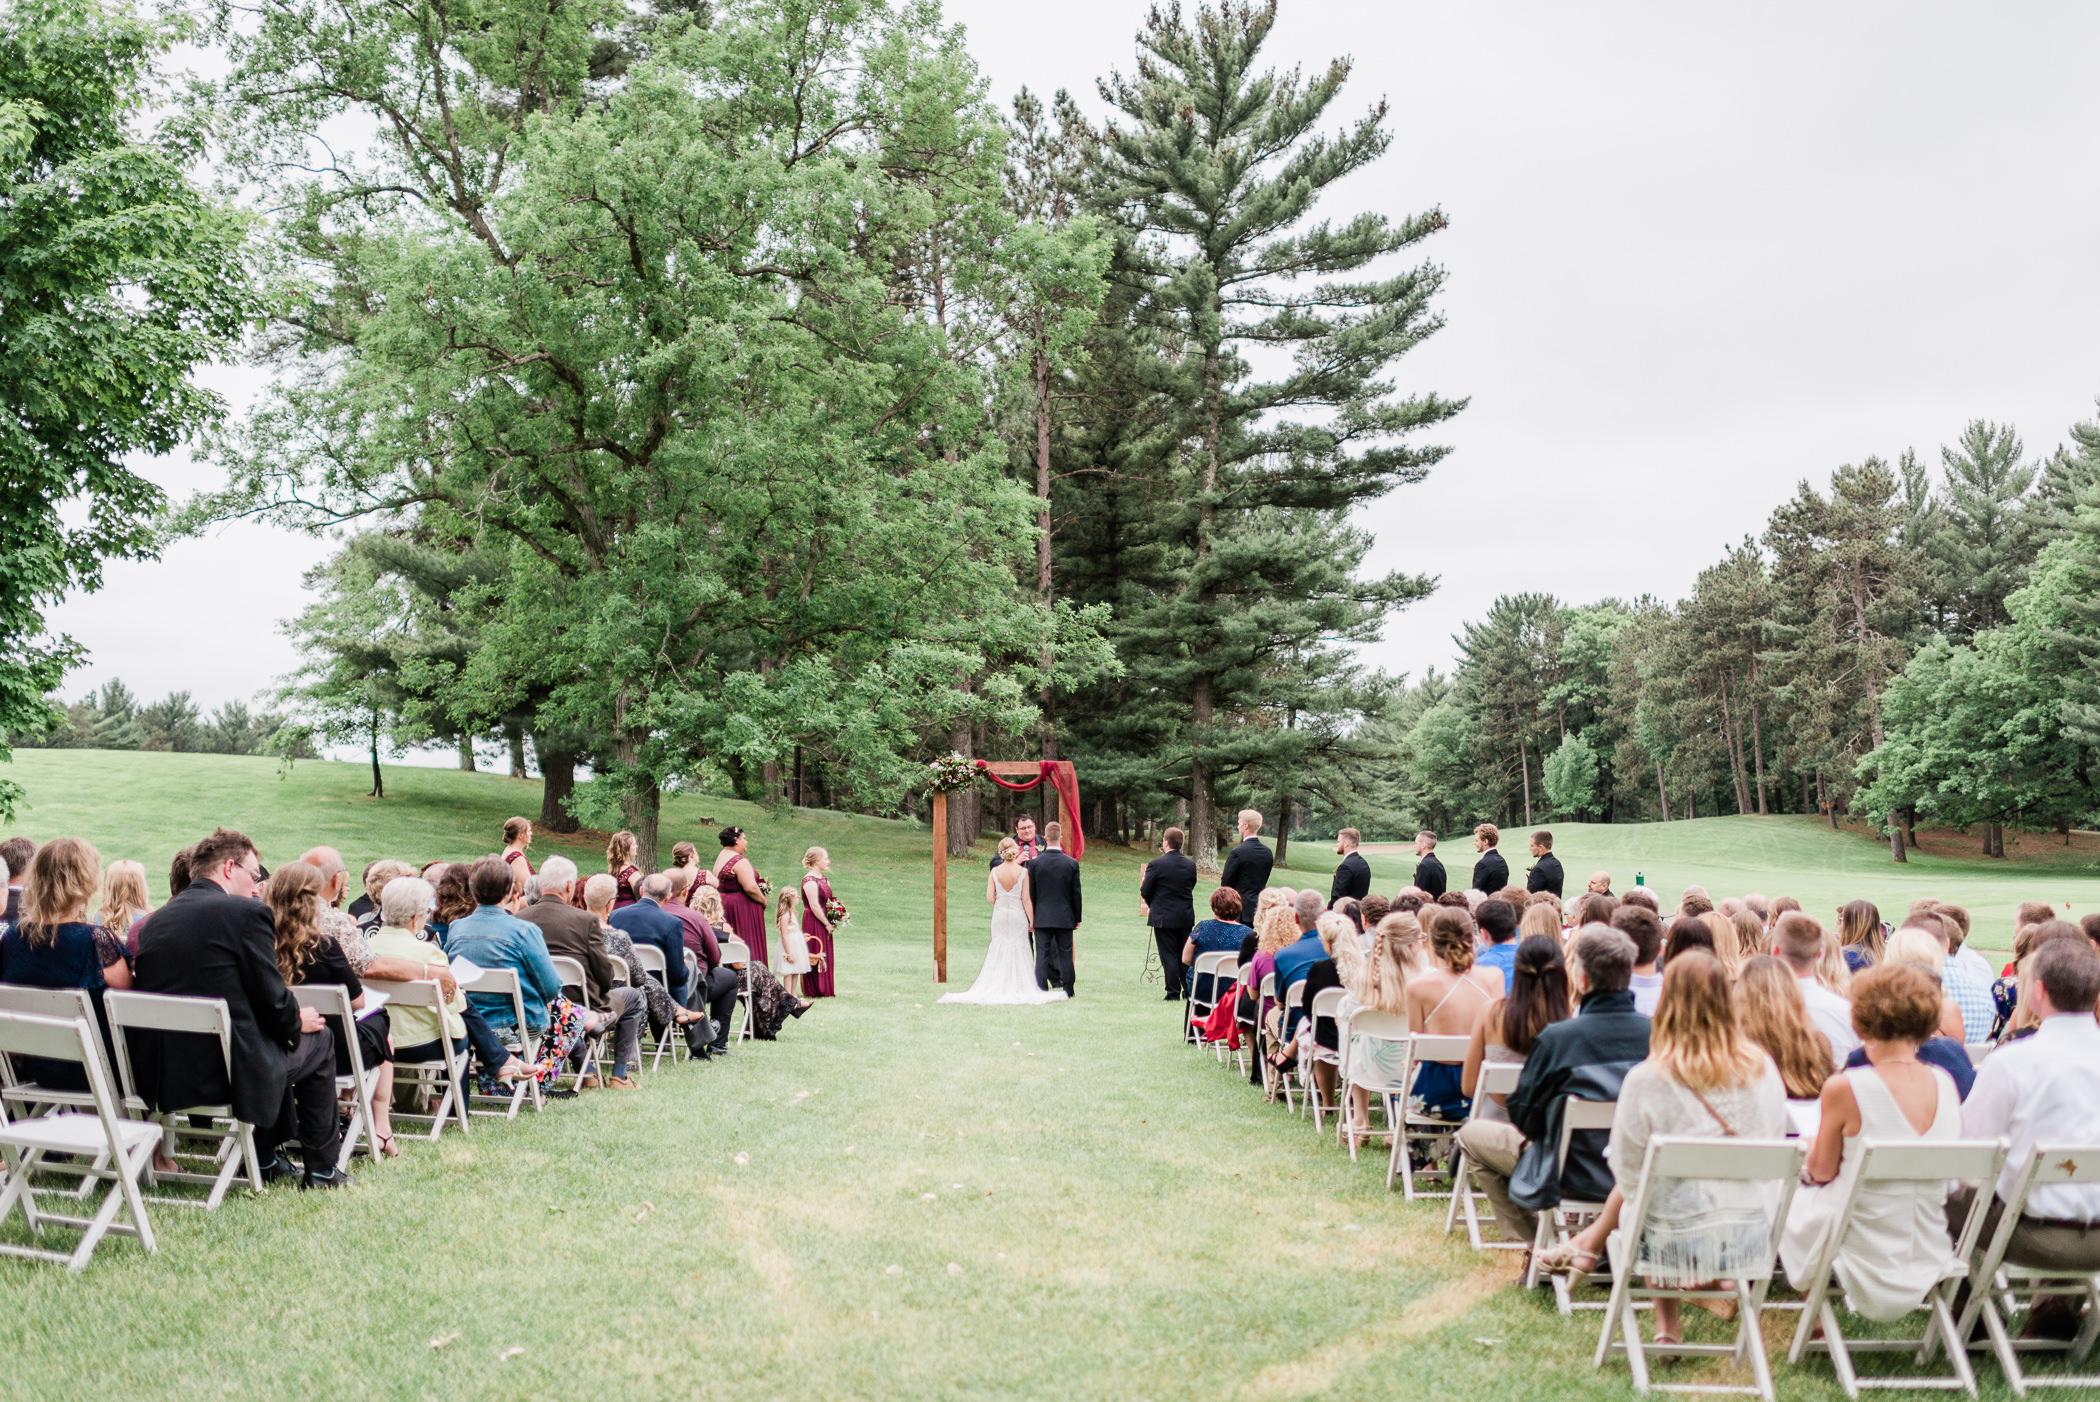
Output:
(113, 718)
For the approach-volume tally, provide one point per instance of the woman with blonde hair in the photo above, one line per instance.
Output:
(1540, 918)
(1703, 1079)
(1911, 945)
(1380, 987)
(1750, 934)
(794, 946)
(54, 945)
(1773, 1015)
(124, 906)
(1275, 927)
(1321, 1044)
(819, 930)
(1728, 948)
(620, 853)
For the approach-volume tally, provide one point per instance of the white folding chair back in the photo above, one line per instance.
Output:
(65, 1004)
(1419, 1127)
(1564, 1218)
(333, 1000)
(1496, 1078)
(1203, 990)
(444, 1077)
(504, 983)
(1326, 1005)
(206, 1017)
(1882, 1163)
(570, 971)
(1379, 1093)
(668, 1041)
(735, 951)
(121, 1148)
(652, 961)
(1287, 1078)
(2002, 1286)
(1766, 1163)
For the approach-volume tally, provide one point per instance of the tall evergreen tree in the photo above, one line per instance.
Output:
(1983, 546)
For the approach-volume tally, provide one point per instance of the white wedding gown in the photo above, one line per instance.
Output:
(1008, 975)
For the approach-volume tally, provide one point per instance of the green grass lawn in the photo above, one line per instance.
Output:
(895, 1200)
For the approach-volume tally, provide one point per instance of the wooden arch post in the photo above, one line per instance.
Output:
(1011, 768)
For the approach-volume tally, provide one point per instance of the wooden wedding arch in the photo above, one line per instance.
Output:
(1063, 780)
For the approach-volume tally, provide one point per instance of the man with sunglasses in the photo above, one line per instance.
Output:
(215, 940)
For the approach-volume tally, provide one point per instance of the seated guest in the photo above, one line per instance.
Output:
(1799, 941)
(1769, 1004)
(647, 922)
(15, 856)
(1294, 959)
(664, 1012)
(52, 944)
(1644, 927)
(1859, 933)
(1703, 1079)
(1689, 932)
(453, 900)
(1220, 934)
(214, 940)
(1508, 1027)
(1971, 994)
(1727, 948)
(1319, 1038)
(1644, 898)
(1750, 933)
(574, 934)
(404, 915)
(1380, 986)
(1498, 938)
(1540, 918)
(1276, 928)
(124, 906)
(1897, 1248)
(490, 937)
(1956, 921)
(376, 877)
(305, 955)
(771, 1004)
(1928, 950)
(1373, 908)
(1445, 1000)
(2045, 1089)
(1586, 1056)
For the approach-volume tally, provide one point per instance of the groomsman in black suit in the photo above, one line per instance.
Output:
(1248, 865)
(1352, 879)
(1546, 874)
(1490, 873)
(1053, 880)
(1429, 872)
(1168, 898)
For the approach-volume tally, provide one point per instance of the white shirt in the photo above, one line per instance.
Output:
(1976, 964)
(2042, 1089)
(1647, 992)
(1832, 1015)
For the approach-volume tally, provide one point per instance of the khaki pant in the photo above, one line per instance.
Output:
(2047, 1246)
(1494, 1148)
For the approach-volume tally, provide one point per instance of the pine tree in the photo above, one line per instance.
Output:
(1983, 545)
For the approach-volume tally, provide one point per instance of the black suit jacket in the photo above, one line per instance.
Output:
(1352, 880)
(1545, 875)
(205, 943)
(1053, 889)
(1169, 889)
(1247, 869)
(1490, 873)
(1429, 875)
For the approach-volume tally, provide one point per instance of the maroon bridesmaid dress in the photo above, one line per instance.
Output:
(746, 917)
(817, 983)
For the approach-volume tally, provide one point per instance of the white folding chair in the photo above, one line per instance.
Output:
(735, 951)
(1379, 1093)
(333, 1000)
(570, 971)
(1889, 1163)
(444, 1077)
(1203, 996)
(1767, 1163)
(1250, 1025)
(65, 1004)
(1287, 1078)
(1496, 1078)
(1568, 1216)
(504, 983)
(1327, 1004)
(124, 1145)
(1417, 1126)
(1999, 1286)
(166, 1013)
(668, 1040)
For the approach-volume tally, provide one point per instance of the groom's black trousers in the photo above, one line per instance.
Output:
(1053, 959)
(1170, 944)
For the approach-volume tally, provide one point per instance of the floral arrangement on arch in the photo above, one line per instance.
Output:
(950, 772)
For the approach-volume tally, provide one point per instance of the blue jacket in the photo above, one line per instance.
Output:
(495, 939)
(1293, 963)
(647, 922)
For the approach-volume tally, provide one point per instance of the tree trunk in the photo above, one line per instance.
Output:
(1896, 852)
(558, 775)
(1662, 790)
(1524, 767)
(466, 753)
(1283, 827)
(963, 803)
(1046, 697)
(1691, 803)
(798, 778)
(1757, 745)
(642, 810)
(1910, 828)
(515, 733)
(1203, 816)
(378, 784)
(1998, 841)
(1736, 768)
(1823, 801)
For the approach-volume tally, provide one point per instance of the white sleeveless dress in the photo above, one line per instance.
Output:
(1008, 975)
(1897, 1248)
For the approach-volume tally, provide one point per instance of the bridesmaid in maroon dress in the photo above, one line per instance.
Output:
(743, 903)
(619, 862)
(817, 926)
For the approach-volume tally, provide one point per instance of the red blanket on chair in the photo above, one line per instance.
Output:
(1220, 1025)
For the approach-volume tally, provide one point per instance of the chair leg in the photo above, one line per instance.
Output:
(1957, 1352)
(1750, 1339)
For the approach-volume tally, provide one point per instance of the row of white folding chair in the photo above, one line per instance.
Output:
(1326, 1007)
(30, 1098)
(1569, 1215)
(332, 1000)
(1206, 977)
(1287, 1078)
(570, 972)
(736, 952)
(518, 1039)
(121, 1148)
(1419, 1127)
(2000, 1285)
(166, 1013)
(1371, 1026)
(447, 1076)
(668, 1042)
(1498, 1078)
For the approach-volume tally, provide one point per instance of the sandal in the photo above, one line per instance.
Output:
(512, 1070)
(387, 1147)
(1567, 1259)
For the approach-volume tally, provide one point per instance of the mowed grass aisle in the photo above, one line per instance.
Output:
(895, 1200)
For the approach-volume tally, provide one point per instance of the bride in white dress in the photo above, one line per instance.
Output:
(1008, 975)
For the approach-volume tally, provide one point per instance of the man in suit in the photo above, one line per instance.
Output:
(1490, 873)
(215, 940)
(647, 922)
(1546, 874)
(574, 934)
(14, 856)
(1167, 899)
(1352, 879)
(1053, 881)
(1429, 872)
(1248, 865)
(1024, 838)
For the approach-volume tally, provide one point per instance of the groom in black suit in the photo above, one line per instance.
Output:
(1053, 880)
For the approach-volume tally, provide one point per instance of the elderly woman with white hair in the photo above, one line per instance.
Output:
(404, 911)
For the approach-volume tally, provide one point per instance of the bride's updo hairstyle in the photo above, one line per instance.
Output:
(1009, 850)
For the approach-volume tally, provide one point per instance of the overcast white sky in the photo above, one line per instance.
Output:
(1696, 254)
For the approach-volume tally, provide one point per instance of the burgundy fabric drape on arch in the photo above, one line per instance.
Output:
(1065, 779)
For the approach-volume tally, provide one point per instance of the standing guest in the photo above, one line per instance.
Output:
(1222, 932)
(1024, 839)
(1490, 873)
(15, 855)
(1600, 883)
(619, 864)
(793, 946)
(1445, 1000)
(453, 900)
(573, 934)
(2044, 1087)
(1644, 928)
(517, 837)
(1429, 871)
(307, 956)
(1508, 1027)
(685, 867)
(491, 937)
(1546, 874)
(1800, 942)
(1896, 1248)
(1053, 880)
(123, 907)
(214, 940)
(1167, 900)
(1498, 930)
(663, 1010)
(818, 931)
(743, 898)
(1859, 933)
(53, 945)
(1352, 878)
(1769, 1004)
(1248, 865)
(647, 921)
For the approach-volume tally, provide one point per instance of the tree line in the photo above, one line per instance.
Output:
(112, 717)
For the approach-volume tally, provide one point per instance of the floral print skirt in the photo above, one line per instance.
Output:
(564, 1032)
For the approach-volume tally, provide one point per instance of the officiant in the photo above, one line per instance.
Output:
(1167, 900)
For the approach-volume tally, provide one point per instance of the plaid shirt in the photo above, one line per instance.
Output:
(1973, 997)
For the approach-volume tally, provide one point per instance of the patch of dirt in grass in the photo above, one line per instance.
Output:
(1318, 1370)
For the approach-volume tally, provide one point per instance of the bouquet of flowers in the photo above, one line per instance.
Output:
(765, 889)
(835, 911)
(950, 772)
